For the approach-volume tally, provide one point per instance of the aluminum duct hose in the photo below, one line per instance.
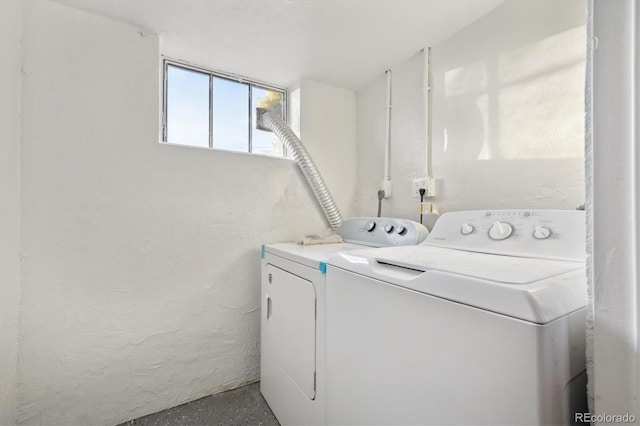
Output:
(269, 121)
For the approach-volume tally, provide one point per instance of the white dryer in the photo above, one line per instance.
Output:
(293, 314)
(483, 323)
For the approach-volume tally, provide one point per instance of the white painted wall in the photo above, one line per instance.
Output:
(141, 260)
(615, 374)
(407, 140)
(10, 86)
(370, 118)
(328, 131)
(507, 115)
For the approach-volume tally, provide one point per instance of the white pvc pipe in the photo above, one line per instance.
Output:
(387, 143)
(615, 206)
(588, 154)
(427, 109)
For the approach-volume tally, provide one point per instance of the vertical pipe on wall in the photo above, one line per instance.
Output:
(636, 191)
(616, 215)
(427, 109)
(635, 183)
(588, 158)
(387, 135)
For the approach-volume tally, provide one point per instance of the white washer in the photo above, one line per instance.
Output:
(483, 323)
(293, 309)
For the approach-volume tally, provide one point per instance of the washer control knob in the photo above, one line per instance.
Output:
(371, 225)
(466, 229)
(500, 231)
(401, 230)
(388, 229)
(541, 233)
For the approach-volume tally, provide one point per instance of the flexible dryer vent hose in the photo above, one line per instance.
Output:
(269, 121)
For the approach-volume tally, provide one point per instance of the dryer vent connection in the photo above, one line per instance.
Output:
(267, 120)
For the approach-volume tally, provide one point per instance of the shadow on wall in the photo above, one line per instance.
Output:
(523, 103)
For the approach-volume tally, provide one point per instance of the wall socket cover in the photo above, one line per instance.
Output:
(386, 186)
(425, 182)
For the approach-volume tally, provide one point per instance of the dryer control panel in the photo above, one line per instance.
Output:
(382, 231)
(546, 234)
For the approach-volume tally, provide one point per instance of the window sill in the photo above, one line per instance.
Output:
(206, 148)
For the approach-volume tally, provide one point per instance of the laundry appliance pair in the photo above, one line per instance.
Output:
(482, 323)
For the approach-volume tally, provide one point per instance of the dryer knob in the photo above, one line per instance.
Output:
(541, 233)
(401, 230)
(371, 225)
(466, 229)
(500, 231)
(388, 229)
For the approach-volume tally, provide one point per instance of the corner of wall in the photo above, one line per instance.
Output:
(328, 130)
(615, 351)
(10, 214)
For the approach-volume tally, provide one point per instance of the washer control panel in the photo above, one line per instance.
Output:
(382, 231)
(549, 234)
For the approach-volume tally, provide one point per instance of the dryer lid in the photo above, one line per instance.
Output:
(309, 255)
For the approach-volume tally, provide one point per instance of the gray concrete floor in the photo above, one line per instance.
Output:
(242, 406)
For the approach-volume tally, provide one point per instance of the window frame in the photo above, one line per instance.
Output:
(251, 83)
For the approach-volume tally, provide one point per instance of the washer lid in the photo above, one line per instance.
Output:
(534, 290)
(503, 269)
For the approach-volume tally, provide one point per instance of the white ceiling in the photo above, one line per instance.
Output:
(345, 43)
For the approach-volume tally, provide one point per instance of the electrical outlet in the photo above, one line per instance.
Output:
(426, 182)
(417, 184)
(386, 186)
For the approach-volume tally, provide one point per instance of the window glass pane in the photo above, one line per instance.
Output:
(187, 107)
(265, 142)
(230, 115)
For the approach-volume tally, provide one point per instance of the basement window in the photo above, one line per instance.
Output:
(211, 109)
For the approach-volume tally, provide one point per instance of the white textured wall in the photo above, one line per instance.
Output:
(507, 115)
(10, 85)
(407, 140)
(615, 374)
(328, 131)
(141, 260)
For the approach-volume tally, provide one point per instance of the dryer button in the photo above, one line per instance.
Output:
(466, 229)
(541, 233)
